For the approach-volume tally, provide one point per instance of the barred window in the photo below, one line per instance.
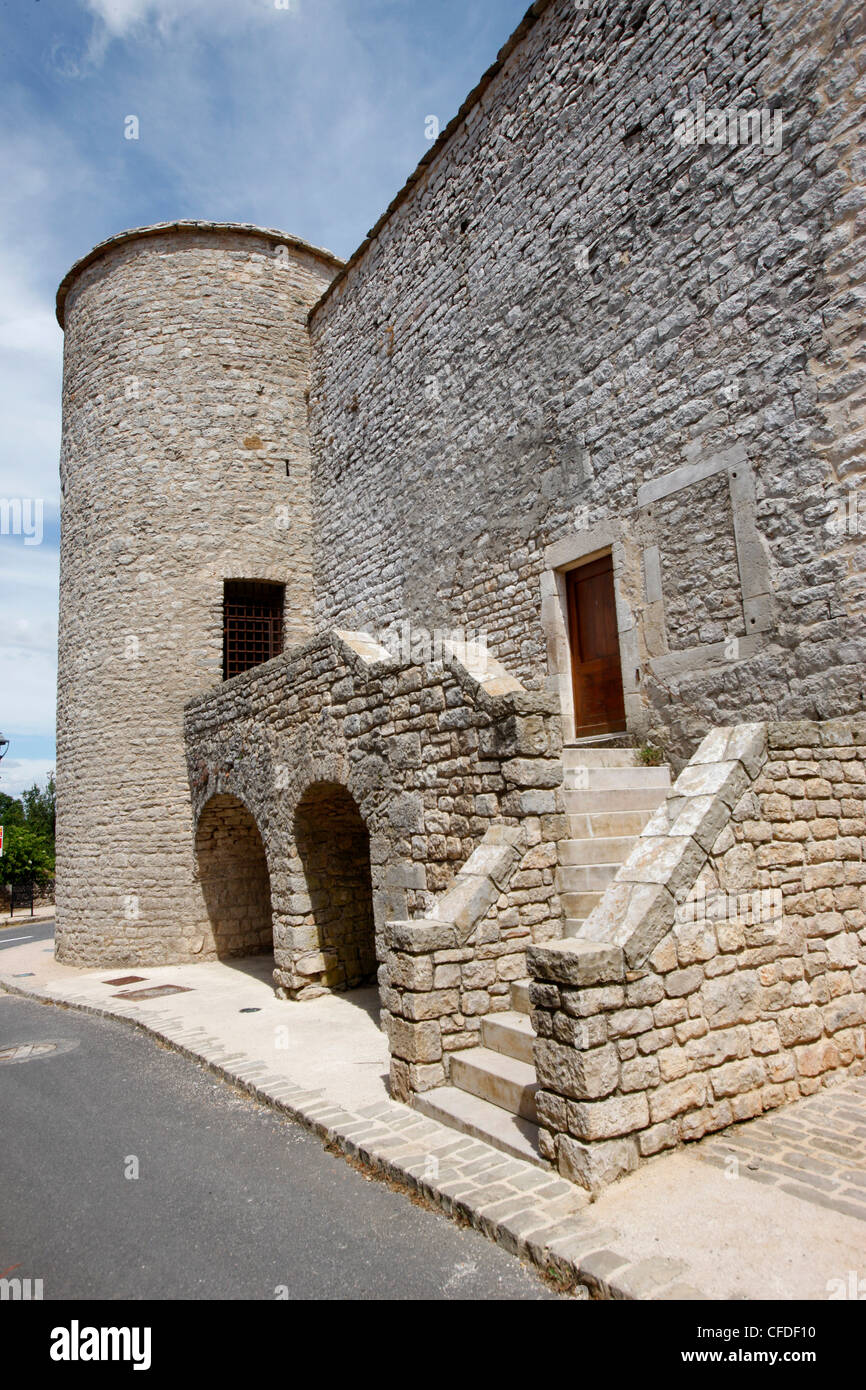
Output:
(252, 624)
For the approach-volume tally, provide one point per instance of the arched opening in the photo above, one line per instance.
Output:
(235, 883)
(333, 846)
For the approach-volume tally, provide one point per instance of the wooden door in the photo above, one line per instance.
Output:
(599, 707)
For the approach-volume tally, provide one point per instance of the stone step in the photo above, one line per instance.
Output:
(591, 801)
(501, 1080)
(571, 926)
(478, 1118)
(520, 997)
(602, 824)
(608, 850)
(579, 904)
(511, 1034)
(585, 878)
(582, 756)
(602, 779)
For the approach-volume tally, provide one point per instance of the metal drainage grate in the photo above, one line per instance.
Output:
(153, 992)
(32, 1051)
(126, 980)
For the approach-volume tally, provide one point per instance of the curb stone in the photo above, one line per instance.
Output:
(531, 1212)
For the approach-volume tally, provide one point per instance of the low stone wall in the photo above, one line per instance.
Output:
(447, 971)
(724, 972)
(433, 755)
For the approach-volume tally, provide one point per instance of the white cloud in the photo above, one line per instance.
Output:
(28, 680)
(119, 16)
(18, 775)
(30, 634)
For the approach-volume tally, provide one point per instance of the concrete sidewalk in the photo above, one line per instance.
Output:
(768, 1210)
(21, 917)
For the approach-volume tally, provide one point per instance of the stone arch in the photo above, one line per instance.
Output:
(232, 870)
(332, 927)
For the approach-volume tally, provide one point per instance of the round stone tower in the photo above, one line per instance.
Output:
(185, 464)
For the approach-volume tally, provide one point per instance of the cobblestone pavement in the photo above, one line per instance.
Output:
(675, 1229)
(815, 1149)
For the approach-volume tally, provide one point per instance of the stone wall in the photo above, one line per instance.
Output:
(447, 971)
(568, 321)
(433, 755)
(185, 462)
(724, 972)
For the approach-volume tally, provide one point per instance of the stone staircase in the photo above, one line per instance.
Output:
(609, 796)
(492, 1091)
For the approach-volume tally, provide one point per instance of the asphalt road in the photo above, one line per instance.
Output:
(231, 1201)
(25, 930)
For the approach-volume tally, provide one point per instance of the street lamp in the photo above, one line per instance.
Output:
(4, 745)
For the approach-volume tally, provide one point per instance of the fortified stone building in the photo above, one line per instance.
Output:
(381, 582)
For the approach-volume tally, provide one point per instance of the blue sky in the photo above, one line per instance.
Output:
(305, 115)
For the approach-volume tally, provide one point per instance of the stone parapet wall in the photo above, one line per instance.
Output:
(724, 972)
(434, 756)
(446, 972)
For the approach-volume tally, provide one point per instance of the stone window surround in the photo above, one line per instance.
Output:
(642, 560)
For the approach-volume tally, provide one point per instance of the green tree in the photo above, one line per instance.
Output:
(39, 807)
(26, 855)
(11, 811)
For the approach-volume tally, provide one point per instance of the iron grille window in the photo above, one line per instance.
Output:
(252, 624)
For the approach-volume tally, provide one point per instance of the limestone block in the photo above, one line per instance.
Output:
(533, 772)
(421, 935)
(594, 1166)
(725, 781)
(702, 817)
(580, 1075)
(639, 1074)
(736, 1077)
(434, 1004)
(411, 972)
(579, 1033)
(696, 941)
(634, 916)
(627, 1023)
(657, 1137)
(721, 1045)
(800, 1025)
(575, 962)
(817, 1058)
(672, 861)
(415, 1042)
(744, 743)
(731, 999)
(583, 1003)
(846, 1012)
(315, 963)
(738, 869)
(676, 1097)
(607, 1119)
(466, 902)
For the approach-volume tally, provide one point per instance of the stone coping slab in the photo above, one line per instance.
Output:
(638, 906)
